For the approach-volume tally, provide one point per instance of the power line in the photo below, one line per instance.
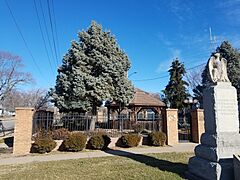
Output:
(151, 79)
(161, 77)
(196, 66)
(165, 76)
(55, 27)
(21, 34)
(51, 26)
(44, 42)
(47, 32)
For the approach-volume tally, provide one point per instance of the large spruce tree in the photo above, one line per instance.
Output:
(176, 91)
(233, 63)
(232, 56)
(94, 69)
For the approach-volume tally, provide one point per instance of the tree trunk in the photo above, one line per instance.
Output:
(93, 119)
(92, 123)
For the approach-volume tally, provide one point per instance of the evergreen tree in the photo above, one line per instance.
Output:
(233, 63)
(233, 69)
(93, 70)
(176, 91)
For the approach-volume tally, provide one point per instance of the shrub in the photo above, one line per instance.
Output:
(137, 127)
(129, 140)
(60, 134)
(43, 145)
(157, 138)
(75, 142)
(99, 141)
(40, 134)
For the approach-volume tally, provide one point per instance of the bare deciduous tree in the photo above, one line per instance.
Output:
(10, 74)
(34, 98)
(156, 95)
(194, 77)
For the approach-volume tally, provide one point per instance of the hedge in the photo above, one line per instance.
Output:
(43, 145)
(75, 142)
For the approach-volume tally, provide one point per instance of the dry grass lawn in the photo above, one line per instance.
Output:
(150, 166)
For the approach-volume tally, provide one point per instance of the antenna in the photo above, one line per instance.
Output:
(210, 38)
(210, 33)
(213, 41)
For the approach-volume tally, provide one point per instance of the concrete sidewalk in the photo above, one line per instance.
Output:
(56, 156)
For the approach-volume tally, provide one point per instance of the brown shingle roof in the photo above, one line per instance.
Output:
(142, 98)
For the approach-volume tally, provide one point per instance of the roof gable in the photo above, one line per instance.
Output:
(143, 98)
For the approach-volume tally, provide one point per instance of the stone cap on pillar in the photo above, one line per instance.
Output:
(24, 108)
(198, 110)
(171, 109)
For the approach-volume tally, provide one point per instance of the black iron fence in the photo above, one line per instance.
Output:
(184, 127)
(47, 121)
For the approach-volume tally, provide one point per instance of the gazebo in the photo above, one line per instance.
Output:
(144, 106)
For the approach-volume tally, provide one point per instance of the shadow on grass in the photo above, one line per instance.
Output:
(177, 168)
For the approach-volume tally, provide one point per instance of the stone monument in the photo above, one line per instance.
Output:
(213, 158)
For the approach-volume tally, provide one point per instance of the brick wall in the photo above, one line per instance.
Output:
(23, 131)
(171, 126)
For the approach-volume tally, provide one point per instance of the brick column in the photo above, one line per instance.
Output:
(171, 126)
(23, 131)
(197, 125)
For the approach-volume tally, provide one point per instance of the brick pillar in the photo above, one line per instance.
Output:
(171, 126)
(197, 125)
(23, 130)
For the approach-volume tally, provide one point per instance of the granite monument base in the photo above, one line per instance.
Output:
(202, 169)
(213, 160)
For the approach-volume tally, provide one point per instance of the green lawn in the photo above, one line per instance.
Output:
(151, 166)
(1, 140)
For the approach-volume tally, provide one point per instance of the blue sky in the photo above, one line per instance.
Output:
(151, 32)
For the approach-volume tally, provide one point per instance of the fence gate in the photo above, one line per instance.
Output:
(184, 126)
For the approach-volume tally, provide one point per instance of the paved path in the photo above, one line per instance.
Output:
(56, 156)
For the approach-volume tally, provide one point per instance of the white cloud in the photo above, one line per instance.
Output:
(163, 39)
(165, 64)
(181, 9)
(234, 39)
(231, 10)
(176, 53)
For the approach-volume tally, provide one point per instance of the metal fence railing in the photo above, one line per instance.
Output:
(7, 125)
(47, 121)
(184, 127)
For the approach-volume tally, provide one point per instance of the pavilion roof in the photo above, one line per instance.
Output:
(142, 98)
